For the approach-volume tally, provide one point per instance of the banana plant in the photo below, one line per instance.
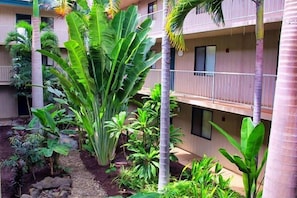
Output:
(109, 59)
(252, 138)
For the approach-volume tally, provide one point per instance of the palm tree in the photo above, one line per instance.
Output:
(178, 13)
(175, 25)
(281, 170)
(165, 110)
(258, 80)
(37, 85)
(19, 45)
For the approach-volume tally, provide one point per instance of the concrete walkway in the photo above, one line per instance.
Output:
(185, 158)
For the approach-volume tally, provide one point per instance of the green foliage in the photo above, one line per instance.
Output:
(128, 178)
(109, 59)
(204, 179)
(144, 135)
(252, 138)
(25, 146)
(19, 45)
(25, 157)
(51, 119)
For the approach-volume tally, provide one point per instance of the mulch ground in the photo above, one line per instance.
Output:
(99, 175)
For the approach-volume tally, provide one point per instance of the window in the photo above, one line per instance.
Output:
(151, 8)
(47, 61)
(23, 17)
(49, 21)
(200, 9)
(200, 123)
(205, 59)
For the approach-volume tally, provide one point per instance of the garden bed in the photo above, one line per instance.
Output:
(89, 179)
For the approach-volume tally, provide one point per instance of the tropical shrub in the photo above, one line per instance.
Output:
(203, 179)
(144, 138)
(109, 58)
(19, 45)
(49, 119)
(25, 157)
(252, 138)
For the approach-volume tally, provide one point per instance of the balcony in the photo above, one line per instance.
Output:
(218, 90)
(236, 14)
(5, 75)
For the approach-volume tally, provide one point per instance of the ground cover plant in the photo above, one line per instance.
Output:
(38, 143)
(203, 179)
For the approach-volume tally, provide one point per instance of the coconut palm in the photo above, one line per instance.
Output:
(281, 170)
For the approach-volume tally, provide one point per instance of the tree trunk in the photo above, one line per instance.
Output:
(259, 63)
(164, 120)
(37, 82)
(281, 170)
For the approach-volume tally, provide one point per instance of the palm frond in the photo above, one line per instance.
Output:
(175, 20)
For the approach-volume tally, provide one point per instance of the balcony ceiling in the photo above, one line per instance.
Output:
(126, 3)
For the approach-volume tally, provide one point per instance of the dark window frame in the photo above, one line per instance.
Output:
(197, 69)
(23, 17)
(151, 9)
(200, 9)
(196, 128)
(49, 21)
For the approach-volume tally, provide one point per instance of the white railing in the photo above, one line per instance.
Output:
(236, 14)
(5, 75)
(217, 86)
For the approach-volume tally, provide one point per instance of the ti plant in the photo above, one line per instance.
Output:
(109, 58)
(252, 138)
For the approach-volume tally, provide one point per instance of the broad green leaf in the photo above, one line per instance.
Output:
(255, 141)
(75, 28)
(247, 127)
(61, 149)
(47, 152)
(227, 155)
(240, 164)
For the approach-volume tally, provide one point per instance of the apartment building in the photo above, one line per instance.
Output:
(12, 11)
(214, 78)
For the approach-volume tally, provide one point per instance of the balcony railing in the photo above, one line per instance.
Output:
(236, 14)
(217, 86)
(5, 75)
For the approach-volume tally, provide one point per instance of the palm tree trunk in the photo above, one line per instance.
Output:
(259, 63)
(164, 120)
(37, 83)
(281, 170)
